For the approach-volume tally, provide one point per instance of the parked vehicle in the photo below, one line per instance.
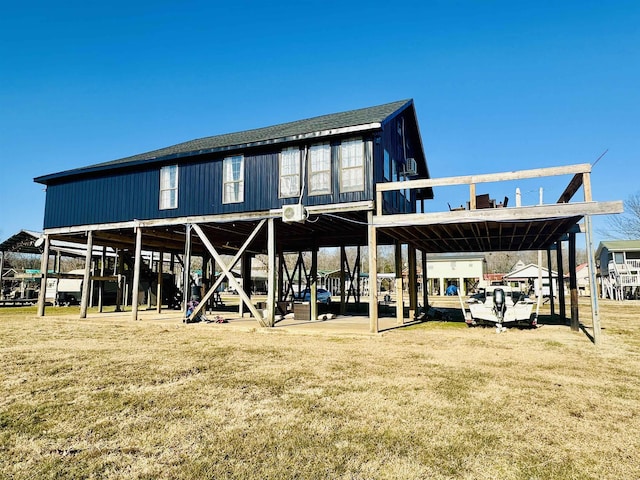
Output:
(499, 306)
(323, 296)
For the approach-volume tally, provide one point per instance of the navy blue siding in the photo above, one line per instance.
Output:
(134, 194)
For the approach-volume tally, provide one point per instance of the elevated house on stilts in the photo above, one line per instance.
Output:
(356, 178)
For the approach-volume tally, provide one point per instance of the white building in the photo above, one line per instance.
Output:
(465, 271)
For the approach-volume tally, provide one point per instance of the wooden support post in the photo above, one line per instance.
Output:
(119, 270)
(186, 269)
(550, 272)
(136, 274)
(573, 283)
(425, 282)
(159, 292)
(399, 293)
(245, 268)
(86, 282)
(282, 296)
(103, 258)
(595, 311)
(314, 284)
(561, 299)
(373, 274)
(1, 273)
(472, 196)
(92, 273)
(413, 285)
(343, 283)
(44, 268)
(271, 273)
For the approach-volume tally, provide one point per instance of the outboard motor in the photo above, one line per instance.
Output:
(499, 304)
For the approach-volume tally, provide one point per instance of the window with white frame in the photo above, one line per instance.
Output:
(290, 172)
(352, 165)
(169, 187)
(320, 169)
(233, 179)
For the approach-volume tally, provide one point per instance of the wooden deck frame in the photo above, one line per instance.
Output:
(541, 213)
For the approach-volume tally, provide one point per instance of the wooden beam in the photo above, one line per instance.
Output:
(219, 218)
(537, 212)
(572, 188)
(484, 178)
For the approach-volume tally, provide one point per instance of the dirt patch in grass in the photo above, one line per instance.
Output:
(119, 399)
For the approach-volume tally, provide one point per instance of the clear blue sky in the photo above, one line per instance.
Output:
(498, 85)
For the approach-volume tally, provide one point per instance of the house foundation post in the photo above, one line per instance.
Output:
(573, 283)
(551, 296)
(413, 286)
(313, 290)
(561, 300)
(44, 267)
(595, 311)
(186, 270)
(425, 283)
(271, 272)
(86, 282)
(159, 282)
(373, 274)
(136, 274)
(399, 293)
(103, 259)
(343, 283)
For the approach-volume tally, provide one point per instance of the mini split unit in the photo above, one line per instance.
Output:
(294, 213)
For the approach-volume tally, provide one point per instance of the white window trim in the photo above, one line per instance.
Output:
(357, 188)
(329, 187)
(295, 176)
(239, 181)
(166, 171)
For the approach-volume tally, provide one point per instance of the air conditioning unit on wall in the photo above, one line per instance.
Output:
(294, 213)
(411, 167)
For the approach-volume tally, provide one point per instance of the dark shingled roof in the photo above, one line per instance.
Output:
(261, 136)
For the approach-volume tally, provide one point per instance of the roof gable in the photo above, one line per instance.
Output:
(529, 271)
(619, 246)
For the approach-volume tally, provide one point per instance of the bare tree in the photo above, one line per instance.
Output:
(626, 225)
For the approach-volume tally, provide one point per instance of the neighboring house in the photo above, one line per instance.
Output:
(582, 279)
(462, 270)
(526, 278)
(618, 264)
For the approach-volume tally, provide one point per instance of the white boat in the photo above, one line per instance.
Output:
(501, 306)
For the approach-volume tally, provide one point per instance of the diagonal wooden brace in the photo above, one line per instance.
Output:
(226, 272)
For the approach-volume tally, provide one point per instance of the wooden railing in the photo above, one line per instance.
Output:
(581, 178)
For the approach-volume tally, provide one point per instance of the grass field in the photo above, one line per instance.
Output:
(105, 398)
